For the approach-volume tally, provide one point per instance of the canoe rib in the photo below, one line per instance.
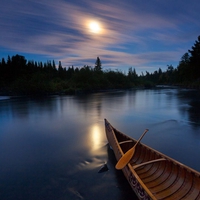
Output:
(151, 174)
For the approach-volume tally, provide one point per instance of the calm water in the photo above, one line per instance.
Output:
(53, 148)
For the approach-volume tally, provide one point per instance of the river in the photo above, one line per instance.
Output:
(53, 147)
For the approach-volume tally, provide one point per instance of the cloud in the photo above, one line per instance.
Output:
(146, 33)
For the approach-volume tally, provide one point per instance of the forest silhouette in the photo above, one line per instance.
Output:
(21, 77)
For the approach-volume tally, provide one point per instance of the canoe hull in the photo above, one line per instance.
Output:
(151, 174)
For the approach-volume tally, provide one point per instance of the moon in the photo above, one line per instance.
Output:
(94, 27)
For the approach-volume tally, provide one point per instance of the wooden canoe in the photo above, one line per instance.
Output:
(151, 174)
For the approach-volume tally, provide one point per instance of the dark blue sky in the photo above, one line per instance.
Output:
(146, 35)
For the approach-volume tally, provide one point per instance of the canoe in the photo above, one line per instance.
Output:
(151, 174)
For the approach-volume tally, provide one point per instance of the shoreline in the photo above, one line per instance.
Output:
(9, 94)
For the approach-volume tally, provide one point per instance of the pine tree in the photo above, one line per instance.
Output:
(195, 59)
(98, 65)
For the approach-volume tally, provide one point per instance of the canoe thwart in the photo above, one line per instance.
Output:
(148, 162)
(126, 141)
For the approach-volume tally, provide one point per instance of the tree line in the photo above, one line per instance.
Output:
(19, 76)
(187, 73)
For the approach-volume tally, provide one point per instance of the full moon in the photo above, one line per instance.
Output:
(94, 27)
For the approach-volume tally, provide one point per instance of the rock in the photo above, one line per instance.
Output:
(104, 168)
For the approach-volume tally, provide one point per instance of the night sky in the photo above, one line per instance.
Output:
(143, 34)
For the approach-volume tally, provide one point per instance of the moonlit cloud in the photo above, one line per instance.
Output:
(146, 35)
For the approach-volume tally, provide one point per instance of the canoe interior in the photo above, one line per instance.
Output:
(165, 179)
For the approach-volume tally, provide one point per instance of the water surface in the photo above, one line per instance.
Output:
(53, 147)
